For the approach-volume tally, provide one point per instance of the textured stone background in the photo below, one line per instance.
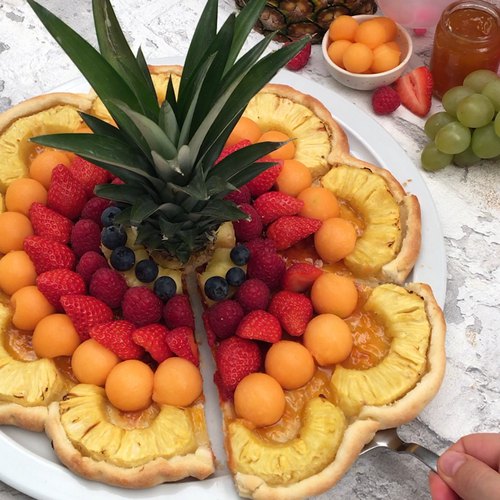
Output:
(467, 201)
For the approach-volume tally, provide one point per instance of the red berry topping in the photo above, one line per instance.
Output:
(253, 294)
(181, 342)
(94, 208)
(109, 286)
(300, 60)
(385, 100)
(299, 277)
(288, 230)
(273, 204)
(89, 263)
(88, 174)
(86, 312)
(58, 283)
(177, 312)
(49, 224)
(141, 306)
(260, 244)
(224, 317)
(239, 196)
(265, 180)
(293, 310)
(154, 340)
(85, 237)
(267, 266)
(211, 337)
(227, 151)
(250, 227)
(117, 337)
(48, 254)
(260, 325)
(415, 90)
(66, 195)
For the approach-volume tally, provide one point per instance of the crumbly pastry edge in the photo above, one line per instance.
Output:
(31, 418)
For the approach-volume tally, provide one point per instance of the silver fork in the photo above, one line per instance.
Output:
(388, 438)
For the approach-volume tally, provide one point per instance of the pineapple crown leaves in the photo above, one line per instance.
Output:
(165, 153)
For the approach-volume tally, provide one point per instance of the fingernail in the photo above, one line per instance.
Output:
(450, 462)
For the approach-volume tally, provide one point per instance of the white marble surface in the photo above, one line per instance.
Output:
(467, 200)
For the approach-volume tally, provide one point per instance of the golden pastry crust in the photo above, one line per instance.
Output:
(31, 418)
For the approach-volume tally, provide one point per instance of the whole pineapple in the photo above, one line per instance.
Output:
(293, 19)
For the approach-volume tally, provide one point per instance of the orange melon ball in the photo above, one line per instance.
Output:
(293, 178)
(334, 294)
(260, 399)
(55, 335)
(343, 28)
(357, 58)
(384, 59)
(389, 26)
(372, 33)
(22, 193)
(336, 51)
(91, 362)
(329, 339)
(335, 239)
(394, 46)
(14, 228)
(245, 128)
(177, 382)
(286, 152)
(30, 307)
(16, 271)
(129, 385)
(290, 363)
(42, 165)
(319, 203)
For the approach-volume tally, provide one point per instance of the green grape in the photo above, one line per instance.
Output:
(478, 79)
(475, 111)
(435, 122)
(497, 124)
(485, 143)
(466, 158)
(453, 138)
(492, 92)
(433, 159)
(453, 96)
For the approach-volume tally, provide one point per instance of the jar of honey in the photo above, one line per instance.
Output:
(467, 38)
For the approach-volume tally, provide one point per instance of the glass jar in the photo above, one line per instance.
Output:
(467, 38)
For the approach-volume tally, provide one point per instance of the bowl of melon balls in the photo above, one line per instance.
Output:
(366, 52)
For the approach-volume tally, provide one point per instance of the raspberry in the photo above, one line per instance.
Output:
(300, 60)
(85, 237)
(211, 337)
(141, 306)
(267, 266)
(224, 317)
(245, 229)
(385, 100)
(89, 263)
(253, 294)
(109, 286)
(177, 312)
(94, 208)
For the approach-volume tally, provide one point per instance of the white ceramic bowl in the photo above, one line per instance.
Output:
(370, 81)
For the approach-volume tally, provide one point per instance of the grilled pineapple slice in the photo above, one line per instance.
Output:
(160, 444)
(48, 114)
(322, 430)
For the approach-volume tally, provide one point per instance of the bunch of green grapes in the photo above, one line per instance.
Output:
(469, 128)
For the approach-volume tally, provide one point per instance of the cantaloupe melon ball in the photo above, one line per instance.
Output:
(30, 307)
(55, 335)
(293, 178)
(319, 203)
(22, 193)
(343, 28)
(335, 239)
(245, 129)
(91, 362)
(16, 271)
(14, 228)
(177, 382)
(286, 152)
(335, 294)
(42, 165)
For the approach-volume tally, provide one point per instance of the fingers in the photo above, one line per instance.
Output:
(483, 446)
(439, 489)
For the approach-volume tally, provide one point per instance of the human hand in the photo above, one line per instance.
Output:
(469, 469)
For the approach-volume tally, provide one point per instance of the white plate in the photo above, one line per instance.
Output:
(27, 461)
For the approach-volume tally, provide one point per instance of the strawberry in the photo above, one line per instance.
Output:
(117, 337)
(231, 149)
(177, 312)
(385, 100)
(288, 230)
(273, 204)
(293, 310)
(94, 208)
(266, 265)
(415, 90)
(49, 224)
(48, 254)
(300, 60)
(248, 228)
(224, 317)
(154, 340)
(235, 358)
(260, 244)
(299, 277)
(239, 196)
(211, 337)
(141, 306)
(58, 283)
(88, 174)
(265, 180)
(85, 312)
(260, 325)
(181, 342)
(253, 294)
(85, 237)
(89, 263)
(66, 195)
(108, 285)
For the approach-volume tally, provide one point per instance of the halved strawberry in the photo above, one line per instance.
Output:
(117, 337)
(48, 254)
(154, 340)
(415, 90)
(299, 277)
(181, 342)
(290, 229)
